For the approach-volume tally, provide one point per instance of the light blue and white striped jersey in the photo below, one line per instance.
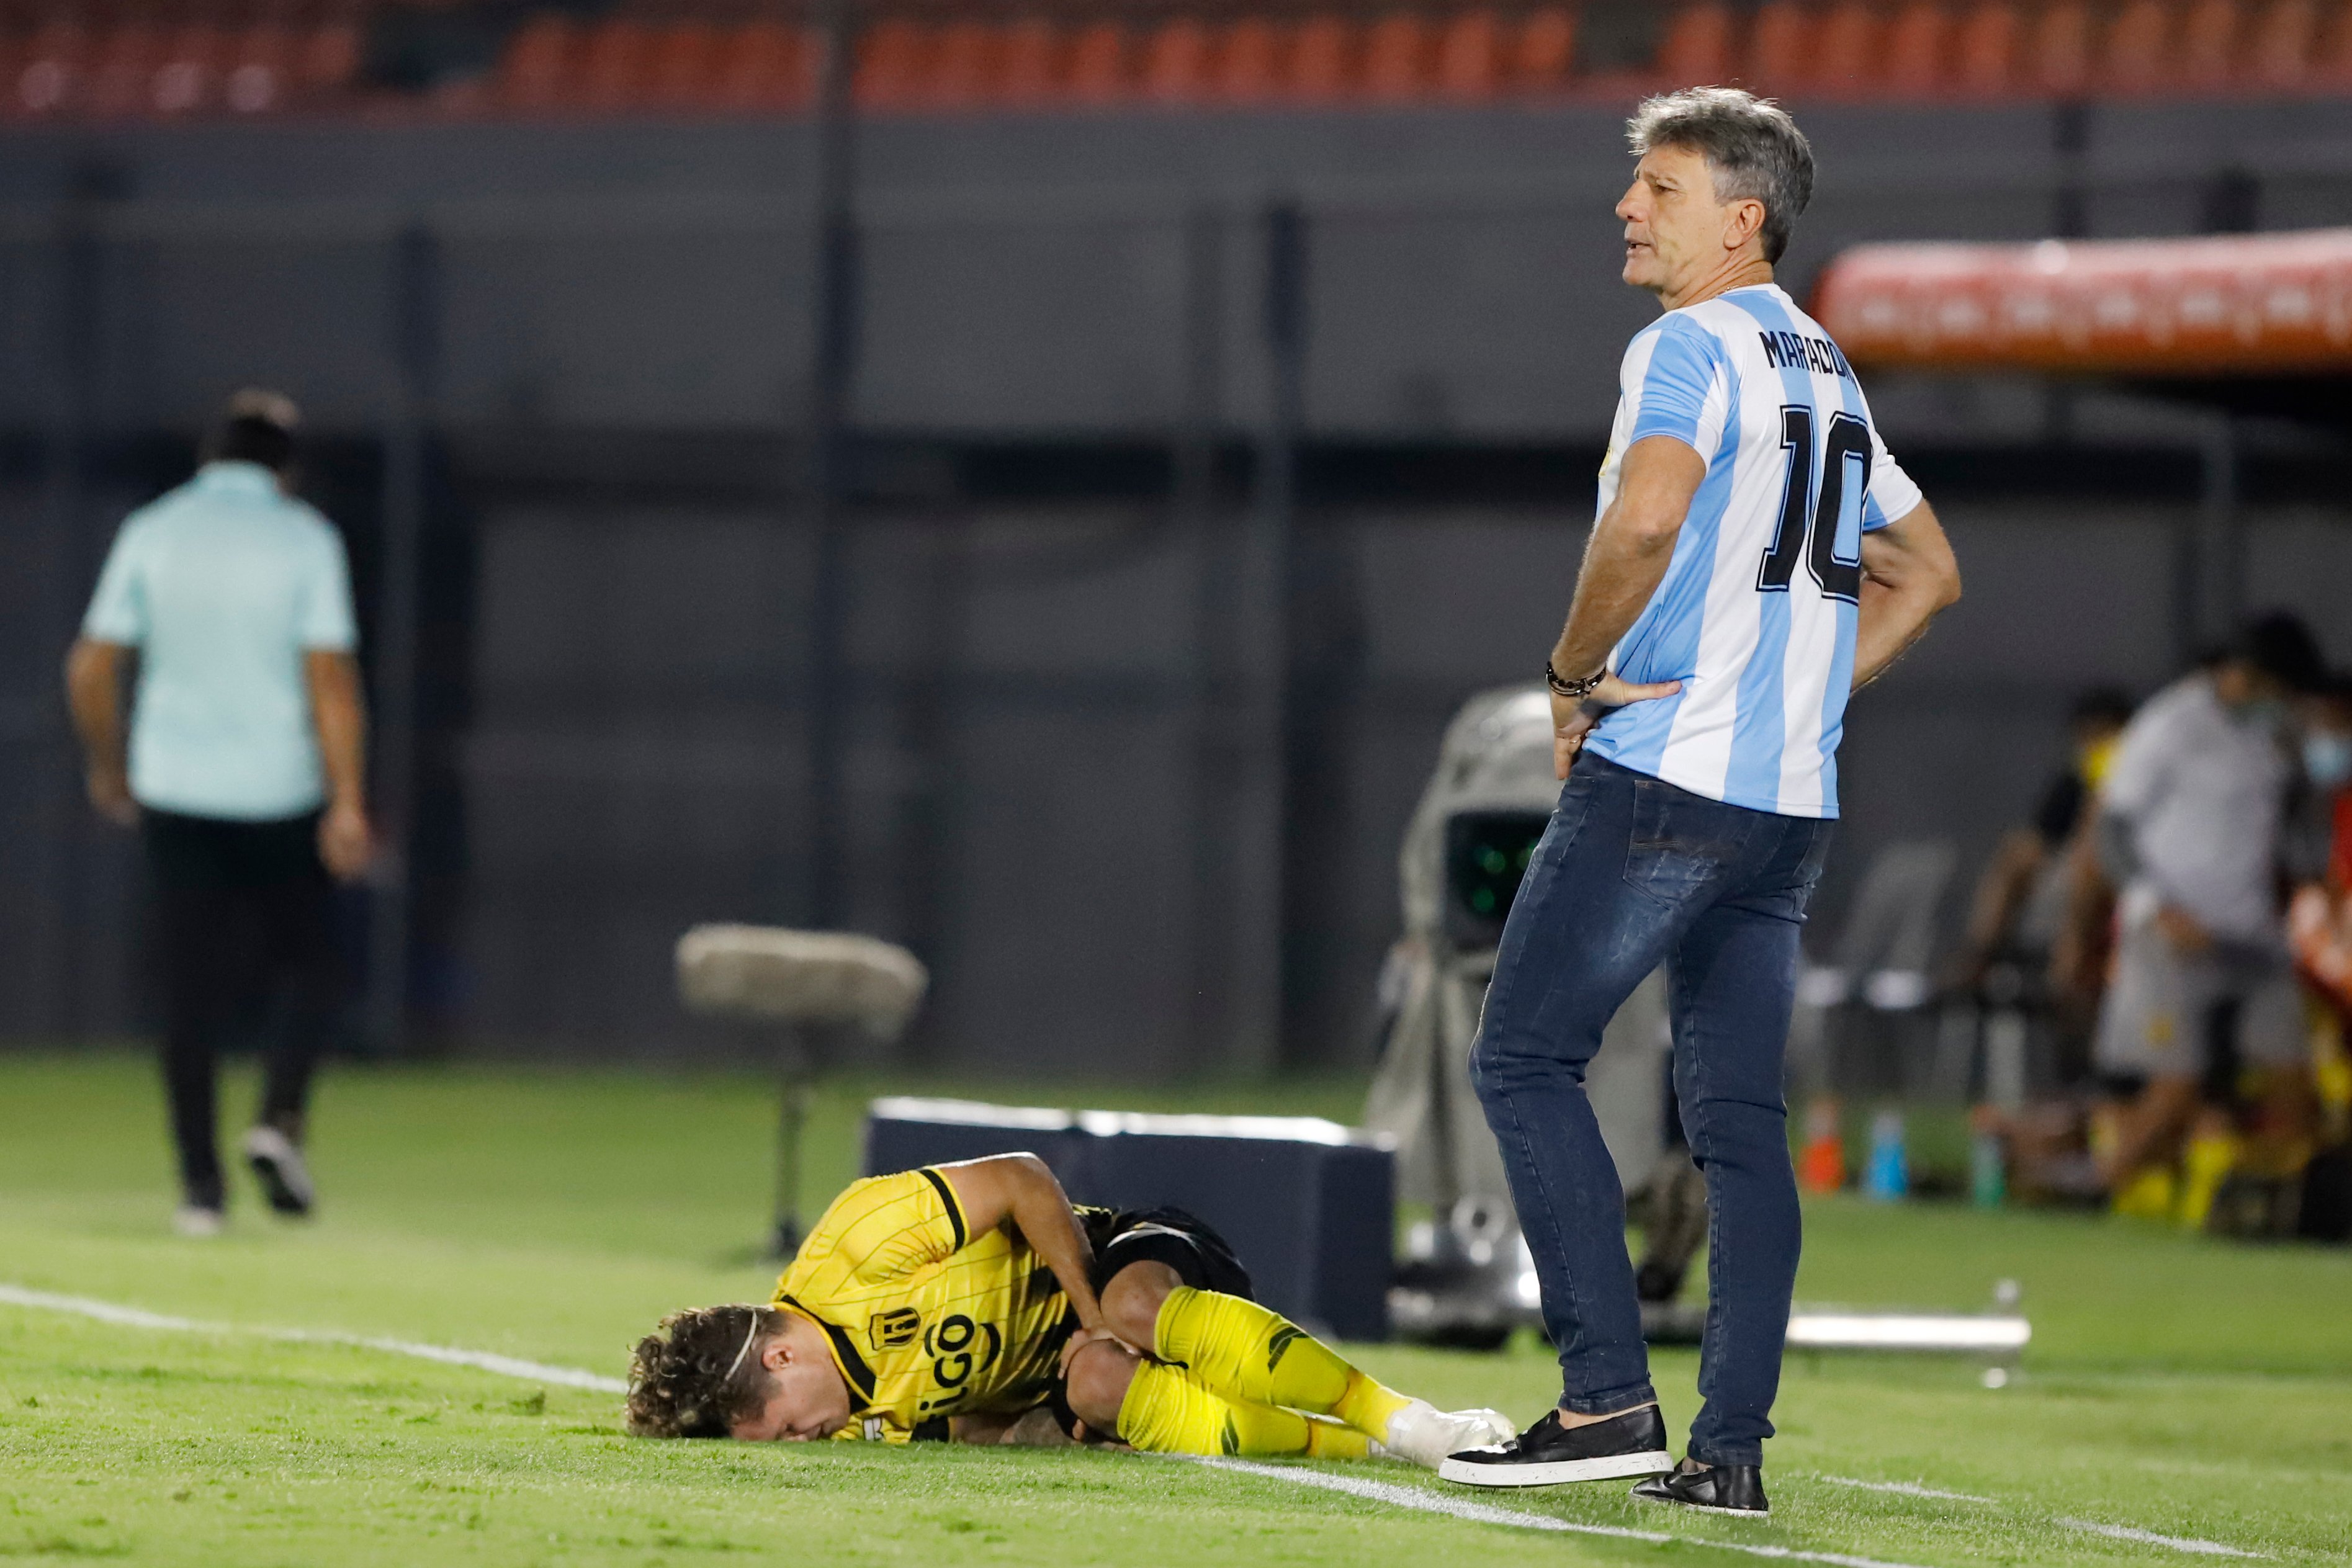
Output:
(1756, 614)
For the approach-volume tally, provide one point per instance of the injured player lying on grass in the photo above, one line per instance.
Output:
(973, 1303)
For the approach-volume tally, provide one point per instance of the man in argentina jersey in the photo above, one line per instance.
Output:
(1758, 556)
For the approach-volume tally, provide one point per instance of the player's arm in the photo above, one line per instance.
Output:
(1908, 575)
(94, 671)
(1020, 1191)
(1625, 560)
(339, 715)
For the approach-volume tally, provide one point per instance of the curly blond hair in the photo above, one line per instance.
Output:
(700, 1374)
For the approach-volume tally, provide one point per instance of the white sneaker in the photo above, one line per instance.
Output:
(277, 1164)
(1425, 1435)
(196, 1222)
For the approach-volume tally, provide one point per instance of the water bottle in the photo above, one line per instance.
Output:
(1887, 1177)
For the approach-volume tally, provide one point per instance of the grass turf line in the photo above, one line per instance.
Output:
(2174, 1386)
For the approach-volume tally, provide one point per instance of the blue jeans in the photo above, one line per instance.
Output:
(1632, 871)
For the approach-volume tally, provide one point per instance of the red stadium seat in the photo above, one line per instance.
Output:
(766, 67)
(51, 72)
(1470, 57)
(1985, 58)
(328, 59)
(613, 67)
(123, 70)
(2210, 33)
(967, 65)
(259, 69)
(1780, 48)
(1400, 59)
(1176, 63)
(2331, 49)
(1697, 50)
(1919, 57)
(2058, 55)
(1099, 64)
(683, 65)
(537, 69)
(894, 60)
(1543, 52)
(1253, 63)
(1850, 58)
(2137, 53)
(2280, 45)
(1324, 59)
(188, 74)
(1034, 66)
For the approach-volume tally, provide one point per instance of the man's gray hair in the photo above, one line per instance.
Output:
(1752, 146)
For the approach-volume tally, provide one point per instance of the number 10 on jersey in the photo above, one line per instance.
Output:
(1801, 514)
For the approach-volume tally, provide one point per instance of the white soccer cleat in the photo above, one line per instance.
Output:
(196, 1222)
(277, 1166)
(1425, 1435)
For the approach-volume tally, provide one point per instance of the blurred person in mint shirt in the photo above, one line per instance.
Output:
(225, 604)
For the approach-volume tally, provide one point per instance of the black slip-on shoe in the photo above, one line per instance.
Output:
(1735, 1489)
(1548, 1454)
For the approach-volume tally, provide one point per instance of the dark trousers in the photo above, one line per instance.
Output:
(1632, 871)
(244, 927)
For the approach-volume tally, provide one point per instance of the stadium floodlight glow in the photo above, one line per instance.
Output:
(1956, 1332)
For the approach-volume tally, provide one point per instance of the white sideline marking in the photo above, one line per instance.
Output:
(1379, 1492)
(1481, 1513)
(480, 1360)
(2149, 1537)
(1907, 1489)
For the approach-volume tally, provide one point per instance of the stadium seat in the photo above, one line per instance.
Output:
(257, 69)
(683, 66)
(966, 66)
(1697, 49)
(1470, 56)
(1099, 62)
(1400, 59)
(612, 67)
(1851, 51)
(1918, 57)
(2136, 56)
(2058, 55)
(123, 70)
(188, 74)
(2280, 45)
(328, 60)
(1780, 44)
(893, 63)
(1323, 59)
(766, 66)
(1253, 61)
(535, 73)
(1034, 68)
(1176, 63)
(2207, 60)
(1985, 53)
(52, 70)
(1543, 50)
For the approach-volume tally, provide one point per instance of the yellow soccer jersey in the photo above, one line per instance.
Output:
(926, 1320)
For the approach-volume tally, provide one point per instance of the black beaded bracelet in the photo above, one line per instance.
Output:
(1575, 691)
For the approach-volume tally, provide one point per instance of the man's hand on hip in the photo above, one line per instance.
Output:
(346, 845)
(109, 793)
(1572, 719)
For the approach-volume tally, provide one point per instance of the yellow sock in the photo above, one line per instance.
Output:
(1253, 1356)
(1167, 1411)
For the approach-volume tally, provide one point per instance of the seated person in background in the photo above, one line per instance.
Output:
(973, 1303)
(2189, 831)
(2320, 918)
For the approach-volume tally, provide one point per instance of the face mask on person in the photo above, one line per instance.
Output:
(2327, 759)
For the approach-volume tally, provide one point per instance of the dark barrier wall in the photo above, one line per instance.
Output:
(1045, 796)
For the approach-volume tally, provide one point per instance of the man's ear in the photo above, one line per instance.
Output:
(1742, 220)
(777, 1354)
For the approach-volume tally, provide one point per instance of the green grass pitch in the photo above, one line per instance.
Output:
(2174, 1386)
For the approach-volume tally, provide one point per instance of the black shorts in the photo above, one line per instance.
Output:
(1186, 1243)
